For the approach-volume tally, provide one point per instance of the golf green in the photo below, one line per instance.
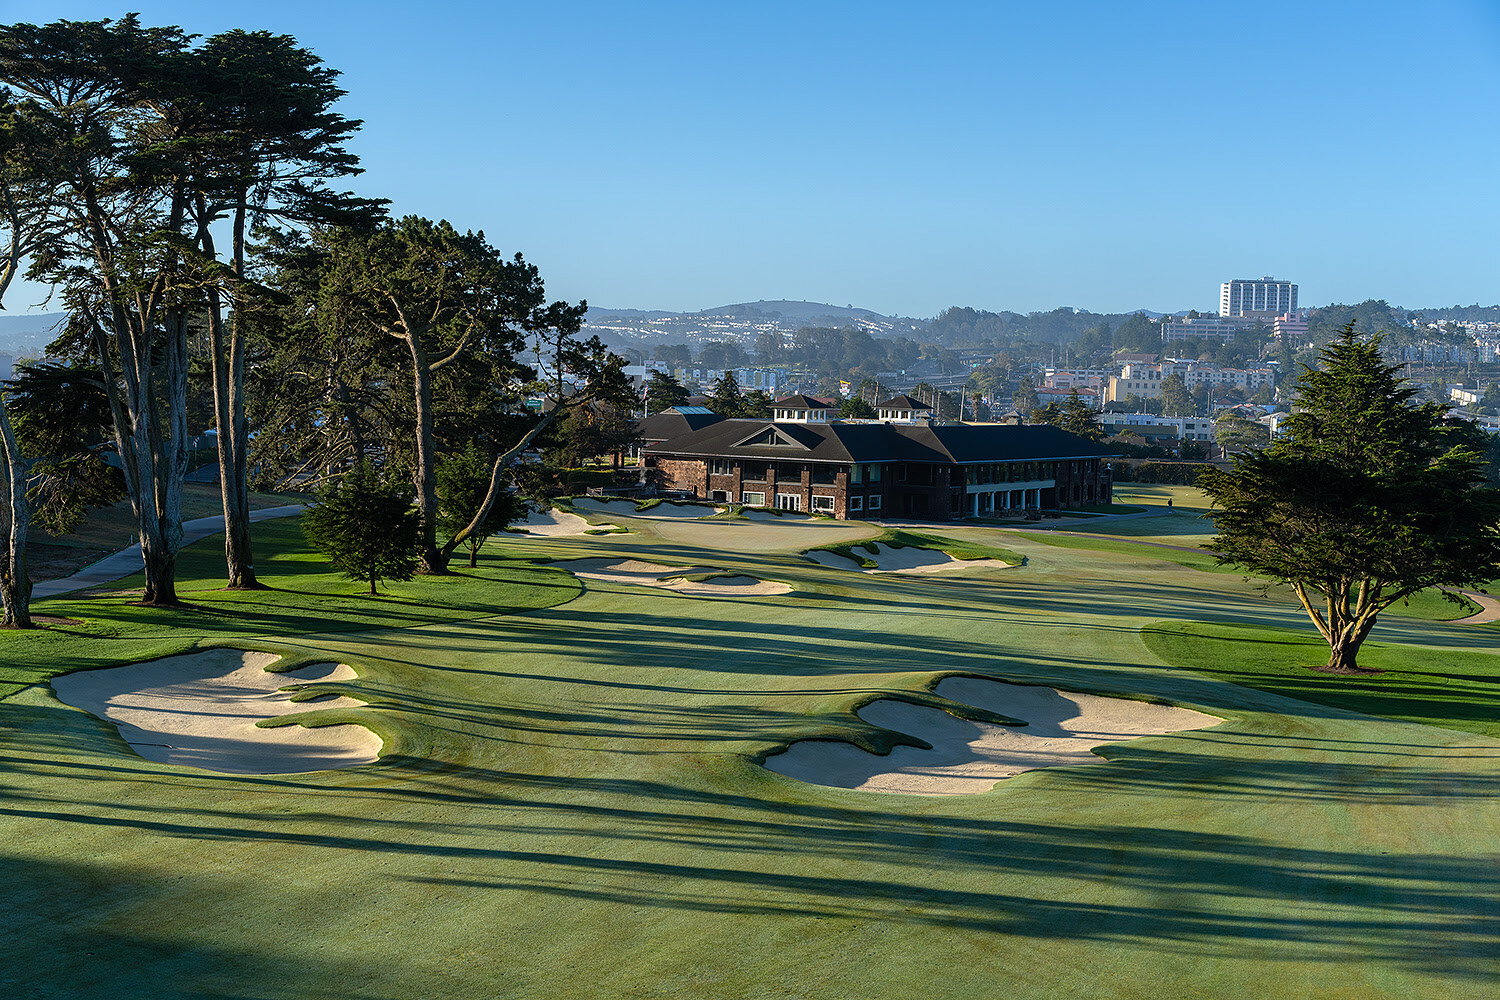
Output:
(570, 804)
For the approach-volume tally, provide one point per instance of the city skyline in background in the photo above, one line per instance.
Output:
(1103, 157)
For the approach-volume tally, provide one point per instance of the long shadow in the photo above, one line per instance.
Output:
(736, 855)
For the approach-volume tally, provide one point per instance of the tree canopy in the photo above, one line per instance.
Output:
(1365, 499)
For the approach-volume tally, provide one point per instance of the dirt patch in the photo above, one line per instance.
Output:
(1062, 728)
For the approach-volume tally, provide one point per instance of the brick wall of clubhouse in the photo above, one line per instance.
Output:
(932, 491)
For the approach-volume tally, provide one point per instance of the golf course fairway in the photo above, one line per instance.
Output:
(571, 803)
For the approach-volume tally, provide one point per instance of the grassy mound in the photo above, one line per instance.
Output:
(1452, 688)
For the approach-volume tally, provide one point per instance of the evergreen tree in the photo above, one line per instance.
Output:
(663, 391)
(855, 408)
(366, 526)
(1365, 499)
(725, 398)
(463, 480)
(1176, 400)
(1025, 397)
(1076, 417)
(756, 404)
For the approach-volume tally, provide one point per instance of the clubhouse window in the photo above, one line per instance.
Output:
(822, 503)
(856, 503)
(753, 499)
(874, 504)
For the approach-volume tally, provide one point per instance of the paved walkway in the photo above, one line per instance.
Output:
(1489, 609)
(127, 561)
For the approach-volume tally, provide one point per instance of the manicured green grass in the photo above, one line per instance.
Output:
(1109, 508)
(1194, 560)
(1167, 525)
(305, 597)
(1455, 688)
(1157, 494)
(570, 805)
(1429, 605)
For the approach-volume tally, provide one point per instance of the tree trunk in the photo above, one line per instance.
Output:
(153, 462)
(1344, 642)
(497, 479)
(431, 560)
(228, 365)
(15, 584)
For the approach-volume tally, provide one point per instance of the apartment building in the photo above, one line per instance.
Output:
(1263, 298)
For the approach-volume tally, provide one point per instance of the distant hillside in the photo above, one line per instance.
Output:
(741, 323)
(28, 333)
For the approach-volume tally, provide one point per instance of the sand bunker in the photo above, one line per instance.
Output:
(970, 757)
(666, 510)
(200, 710)
(555, 523)
(670, 578)
(908, 559)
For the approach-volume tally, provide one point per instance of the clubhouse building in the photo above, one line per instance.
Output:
(905, 464)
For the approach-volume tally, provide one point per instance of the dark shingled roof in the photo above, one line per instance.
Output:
(670, 424)
(805, 402)
(902, 402)
(841, 441)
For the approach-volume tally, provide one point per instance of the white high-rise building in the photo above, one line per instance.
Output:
(1266, 297)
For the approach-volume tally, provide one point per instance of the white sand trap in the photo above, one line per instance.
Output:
(909, 559)
(555, 523)
(669, 578)
(666, 510)
(970, 757)
(200, 710)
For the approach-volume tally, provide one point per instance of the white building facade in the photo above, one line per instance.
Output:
(1264, 297)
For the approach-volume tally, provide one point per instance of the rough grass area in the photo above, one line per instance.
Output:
(899, 538)
(1453, 688)
(111, 529)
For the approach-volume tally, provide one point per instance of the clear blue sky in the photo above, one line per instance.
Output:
(1104, 155)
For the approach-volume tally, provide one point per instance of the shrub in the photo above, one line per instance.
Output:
(366, 526)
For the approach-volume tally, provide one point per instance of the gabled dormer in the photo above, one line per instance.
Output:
(801, 410)
(771, 436)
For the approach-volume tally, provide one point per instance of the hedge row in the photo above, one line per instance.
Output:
(1173, 473)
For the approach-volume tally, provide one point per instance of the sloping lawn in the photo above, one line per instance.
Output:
(570, 804)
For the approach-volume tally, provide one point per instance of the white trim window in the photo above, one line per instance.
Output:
(874, 503)
(822, 503)
(753, 499)
(856, 503)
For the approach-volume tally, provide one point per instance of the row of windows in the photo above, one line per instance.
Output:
(787, 501)
(915, 473)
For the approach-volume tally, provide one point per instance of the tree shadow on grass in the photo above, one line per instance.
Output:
(59, 912)
(650, 844)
